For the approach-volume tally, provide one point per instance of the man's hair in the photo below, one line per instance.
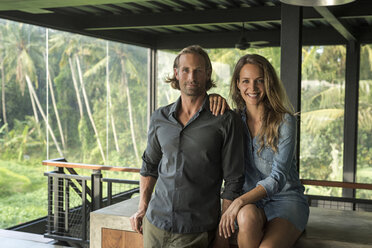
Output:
(195, 49)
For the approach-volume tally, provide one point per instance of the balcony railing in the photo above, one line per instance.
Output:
(71, 197)
(341, 203)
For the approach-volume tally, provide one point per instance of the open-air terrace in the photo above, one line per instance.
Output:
(81, 78)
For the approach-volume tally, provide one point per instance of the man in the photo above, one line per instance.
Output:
(189, 152)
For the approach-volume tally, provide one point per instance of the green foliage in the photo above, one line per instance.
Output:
(11, 183)
(23, 197)
(118, 103)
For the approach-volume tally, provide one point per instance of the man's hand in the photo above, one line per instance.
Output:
(136, 220)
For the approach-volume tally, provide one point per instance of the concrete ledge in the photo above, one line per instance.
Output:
(112, 217)
(326, 228)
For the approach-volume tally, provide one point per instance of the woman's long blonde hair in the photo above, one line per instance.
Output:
(275, 101)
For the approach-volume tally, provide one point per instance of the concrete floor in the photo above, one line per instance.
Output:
(337, 228)
(15, 239)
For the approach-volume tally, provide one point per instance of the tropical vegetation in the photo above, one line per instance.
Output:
(85, 99)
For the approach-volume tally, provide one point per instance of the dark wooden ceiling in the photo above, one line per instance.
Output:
(173, 24)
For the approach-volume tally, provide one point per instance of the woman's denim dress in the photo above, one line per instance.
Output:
(277, 173)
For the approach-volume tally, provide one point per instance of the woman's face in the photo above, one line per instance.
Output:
(251, 84)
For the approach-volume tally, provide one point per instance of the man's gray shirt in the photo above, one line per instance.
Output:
(189, 163)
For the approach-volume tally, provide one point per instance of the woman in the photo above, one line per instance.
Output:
(273, 210)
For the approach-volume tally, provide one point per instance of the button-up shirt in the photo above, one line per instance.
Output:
(275, 171)
(190, 163)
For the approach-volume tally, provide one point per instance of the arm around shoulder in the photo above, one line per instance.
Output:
(233, 156)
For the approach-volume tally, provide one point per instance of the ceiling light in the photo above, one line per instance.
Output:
(312, 3)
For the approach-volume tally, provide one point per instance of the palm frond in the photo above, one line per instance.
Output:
(365, 119)
(331, 97)
(314, 121)
(98, 66)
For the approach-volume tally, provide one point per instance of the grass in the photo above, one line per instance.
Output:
(23, 190)
(22, 204)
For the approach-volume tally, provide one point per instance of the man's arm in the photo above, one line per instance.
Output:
(232, 154)
(233, 168)
(146, 187)
(220, 241)
(149, 173)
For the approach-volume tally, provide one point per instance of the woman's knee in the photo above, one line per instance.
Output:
(250, 216)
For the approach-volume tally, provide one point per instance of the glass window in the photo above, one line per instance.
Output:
(223, 62)
(322, 116)
(92, 109)
(364, 145)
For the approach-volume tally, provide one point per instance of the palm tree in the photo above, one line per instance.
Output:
(85, 96)
(21, 43)
(33, 94)
(3, 92)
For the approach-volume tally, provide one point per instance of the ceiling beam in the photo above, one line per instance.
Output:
(313, 36)
(68, 24)
(184, 18)
(216, 16)
(43, 4)
(215, 39)
(335, 23)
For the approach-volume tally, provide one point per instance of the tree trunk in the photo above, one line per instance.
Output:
(76, 87)
(125, 82)
(34, 96)
(88, 109)
(56, 111)
(3, 95)
(33, 103)
(112, 118)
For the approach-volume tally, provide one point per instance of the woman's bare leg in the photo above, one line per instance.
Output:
(251, 221)
(279, 233)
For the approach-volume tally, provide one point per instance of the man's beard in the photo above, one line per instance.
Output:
(193, 91)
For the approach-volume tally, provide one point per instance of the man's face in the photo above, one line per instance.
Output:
(192, 74)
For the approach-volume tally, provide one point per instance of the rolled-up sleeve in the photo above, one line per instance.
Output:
(152, 155)
(233, 157)
(282, 160)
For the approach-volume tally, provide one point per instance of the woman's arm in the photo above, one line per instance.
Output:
(227, 226)
(217, 104)
(283, 159)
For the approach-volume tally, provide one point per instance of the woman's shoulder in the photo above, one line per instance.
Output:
(288, 123)
(289, 118)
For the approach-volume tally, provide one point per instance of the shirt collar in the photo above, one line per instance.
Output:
(175, 106)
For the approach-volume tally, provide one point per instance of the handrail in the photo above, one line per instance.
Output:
(88, 166)
(337, 184)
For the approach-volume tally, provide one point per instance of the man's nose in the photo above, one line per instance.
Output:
(192, 75)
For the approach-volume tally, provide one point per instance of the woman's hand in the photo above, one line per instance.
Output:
(217, 104)
(227, 222)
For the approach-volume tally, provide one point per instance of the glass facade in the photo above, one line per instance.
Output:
(65, 95)
(85, 99)
(364, 142)
(322, 116)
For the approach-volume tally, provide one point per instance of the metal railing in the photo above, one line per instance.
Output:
(339, 203)
(71, 198)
